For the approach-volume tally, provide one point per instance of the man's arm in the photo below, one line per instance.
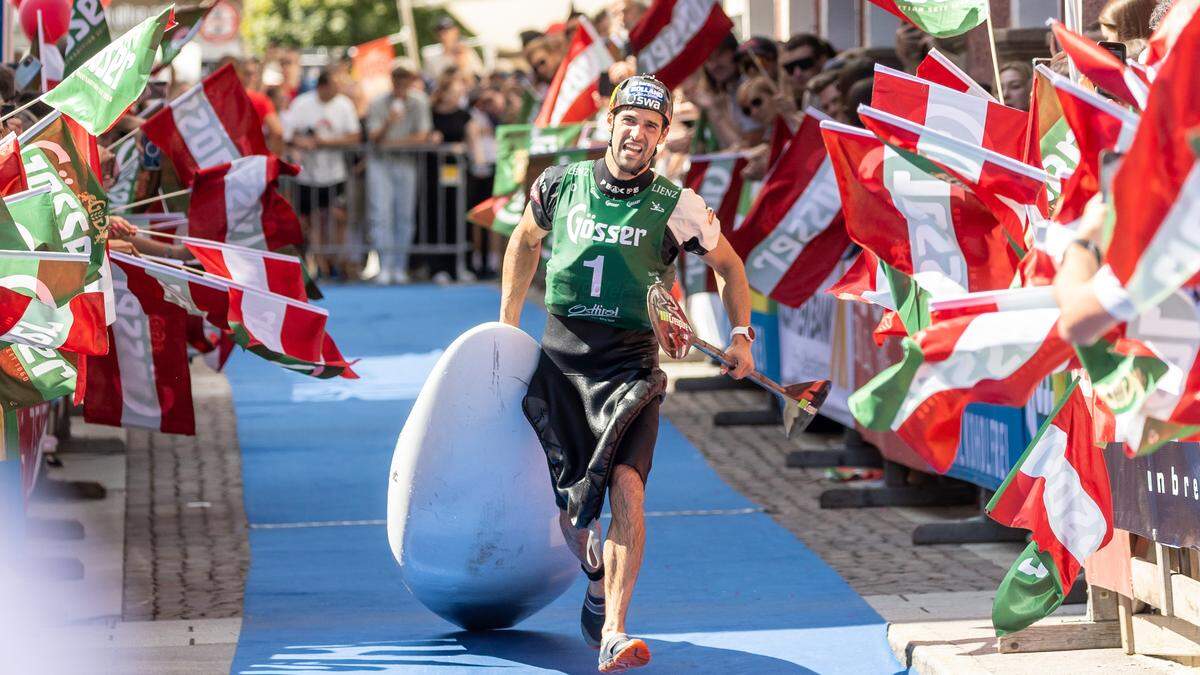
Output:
(520, 264)
(735, 294)
(1084, 318)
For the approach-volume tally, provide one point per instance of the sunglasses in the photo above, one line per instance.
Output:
(755, 104)
(806, 63)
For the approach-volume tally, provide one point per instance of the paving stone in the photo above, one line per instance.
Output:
(171, 549)
(871, 548)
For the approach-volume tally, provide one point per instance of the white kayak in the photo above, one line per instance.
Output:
(471, 514)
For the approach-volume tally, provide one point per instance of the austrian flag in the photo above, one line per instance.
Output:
(210, 124)
(571, 94)
(238, 203)
(674, 37)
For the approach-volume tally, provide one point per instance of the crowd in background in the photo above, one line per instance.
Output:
(312, 116)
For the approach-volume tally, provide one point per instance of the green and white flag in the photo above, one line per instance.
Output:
(188, 21)
(100, 90)
(522, 152)
(86, 34)
(939, 18)
(32, 375)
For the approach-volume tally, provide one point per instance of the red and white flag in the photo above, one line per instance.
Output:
(864, 281)
(997, 358)
(212, 123)
(968, 118)
(198, 295)
(675, 37)
(1156, 193)
(280, 324)
(78, 326)
(12, 169)
(238, 203)
(143, 381)
(938, 68)
(793, 235)
(571, 96)
(1101, 67)
(932, 230)
(1097, 125)
(275, 272)
(1009, 187)
(718, 179)
(1060, 491)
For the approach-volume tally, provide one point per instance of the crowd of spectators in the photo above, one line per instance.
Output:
(735, 101)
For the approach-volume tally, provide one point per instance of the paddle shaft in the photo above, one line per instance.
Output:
(760, 379)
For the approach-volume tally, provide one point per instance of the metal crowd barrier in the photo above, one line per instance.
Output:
(339, 226)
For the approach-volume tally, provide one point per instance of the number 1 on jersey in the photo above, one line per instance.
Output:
(597, 265)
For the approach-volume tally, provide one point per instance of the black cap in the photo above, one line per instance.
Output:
(645, 92)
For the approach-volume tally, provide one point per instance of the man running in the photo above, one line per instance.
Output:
(616, 228)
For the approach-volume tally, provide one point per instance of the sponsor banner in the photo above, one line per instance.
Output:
(1157, 495)
(815, 342)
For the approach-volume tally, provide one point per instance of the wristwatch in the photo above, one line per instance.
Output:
(745, 331)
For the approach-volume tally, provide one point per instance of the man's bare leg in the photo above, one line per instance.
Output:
(577, 541)
(624, 545)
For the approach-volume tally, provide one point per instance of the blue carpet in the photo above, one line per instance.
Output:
(730, 593)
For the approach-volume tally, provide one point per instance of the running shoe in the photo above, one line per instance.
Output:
(591, 619)
(620, 652)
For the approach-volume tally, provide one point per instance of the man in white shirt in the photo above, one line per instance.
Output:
(398, 119)
(319, 124)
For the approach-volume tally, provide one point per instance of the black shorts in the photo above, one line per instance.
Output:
(314, 197)
(636, 449)
(594, 402)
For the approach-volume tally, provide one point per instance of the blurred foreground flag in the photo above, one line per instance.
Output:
(571, 94)
(939, 18)
(675, 37)
(100, 90)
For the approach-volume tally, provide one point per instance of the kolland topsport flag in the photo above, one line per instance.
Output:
(674, 37)
(144, 380)
(571, 97)
(1056, 150)
(793, 235)
(103, 87)
(996, 357)
(1156, 193)
(939, 18)
(188, 21)
(212, 123)
(1058, 490)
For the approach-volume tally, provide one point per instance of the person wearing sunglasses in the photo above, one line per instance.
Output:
(804, 55)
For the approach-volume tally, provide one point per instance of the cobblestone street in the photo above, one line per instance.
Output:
(186, 552)
(871, 548)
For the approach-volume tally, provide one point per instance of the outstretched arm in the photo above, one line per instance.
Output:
(735, 293)
(520, 263)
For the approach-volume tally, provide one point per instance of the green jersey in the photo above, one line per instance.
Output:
(607, 252)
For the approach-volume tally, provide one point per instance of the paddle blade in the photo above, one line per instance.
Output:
(806, 399)
(671, 326)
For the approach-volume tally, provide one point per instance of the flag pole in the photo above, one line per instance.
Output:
(151, 200)
(995, 60)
